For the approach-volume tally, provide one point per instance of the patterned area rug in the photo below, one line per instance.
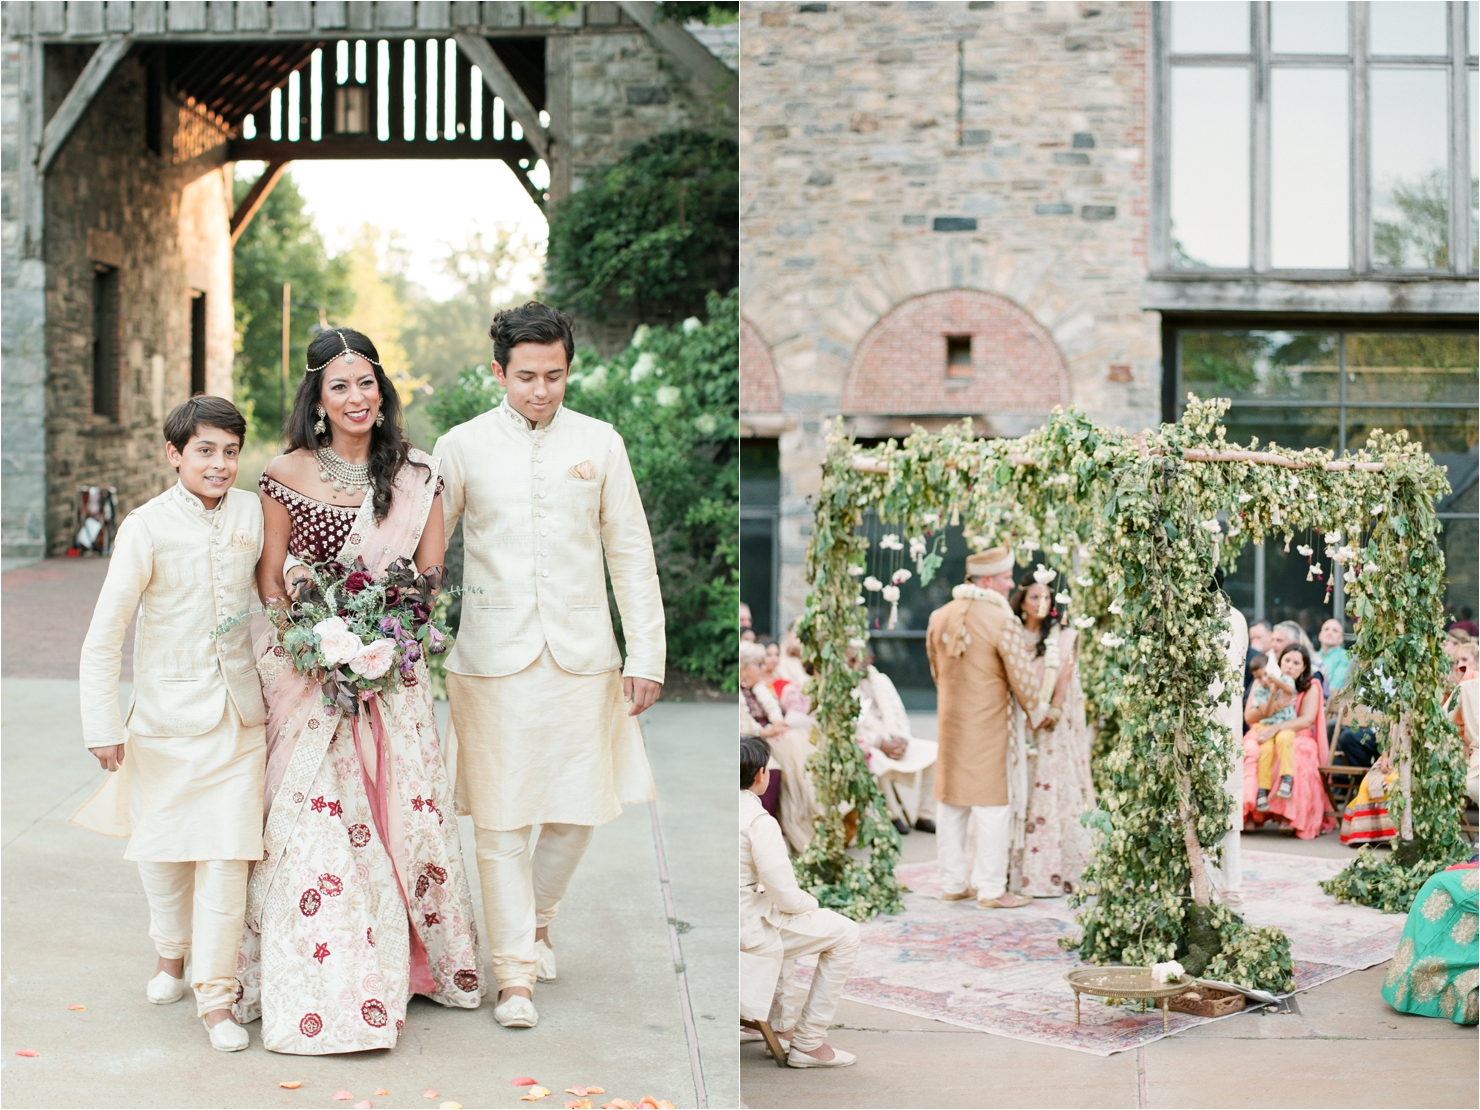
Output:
(1002, 972)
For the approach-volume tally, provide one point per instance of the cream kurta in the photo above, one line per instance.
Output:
(979, 656)
(191, 783)
(542, 734)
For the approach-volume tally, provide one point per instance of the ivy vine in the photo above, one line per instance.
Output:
(1139, 524)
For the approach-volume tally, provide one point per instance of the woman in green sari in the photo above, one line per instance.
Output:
(1433, 972)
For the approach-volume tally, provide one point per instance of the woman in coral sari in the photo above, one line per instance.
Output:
(1301, 802)
(361, 900)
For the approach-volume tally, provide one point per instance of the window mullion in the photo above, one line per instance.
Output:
(1459, 143)
(1259, 137)
(1159, 156)
(1361, 166)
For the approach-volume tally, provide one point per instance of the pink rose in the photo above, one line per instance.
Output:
(337, 644)
(374, 659)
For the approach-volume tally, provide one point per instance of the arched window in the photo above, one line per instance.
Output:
(956, 351)
(759, 389)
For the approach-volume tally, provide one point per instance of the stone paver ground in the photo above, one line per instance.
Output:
(75, 925)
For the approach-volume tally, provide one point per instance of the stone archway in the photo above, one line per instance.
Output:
(957, 351)
(760, 388)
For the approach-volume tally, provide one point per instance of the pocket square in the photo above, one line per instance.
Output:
(241, 537)
(583, 470)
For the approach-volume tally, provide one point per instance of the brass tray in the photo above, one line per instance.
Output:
(1126, 982)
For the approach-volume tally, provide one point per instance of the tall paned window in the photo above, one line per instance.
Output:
(1316, 138)
(1330, 389)
(106, 343)
(760, 533)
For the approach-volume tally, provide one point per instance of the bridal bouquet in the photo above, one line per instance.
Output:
(358, 635)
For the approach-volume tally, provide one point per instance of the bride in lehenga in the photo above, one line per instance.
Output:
(361, 900)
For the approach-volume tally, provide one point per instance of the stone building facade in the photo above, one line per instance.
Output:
(923, 181)
(116, 192)
(958, 210)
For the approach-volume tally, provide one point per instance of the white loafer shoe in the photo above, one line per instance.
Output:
(164, 988)
(544, 962)
(796, 1058)
(517, 1012)
(227, 1036)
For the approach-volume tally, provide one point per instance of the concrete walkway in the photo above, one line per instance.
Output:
(644, 1005)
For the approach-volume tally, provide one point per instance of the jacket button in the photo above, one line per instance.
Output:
(544, 574)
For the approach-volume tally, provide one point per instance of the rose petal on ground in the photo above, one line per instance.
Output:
(291, 1084)
(343, 1096)
(579, 1092)
(647, 1102)
(363, 1104)
(535, 1094)
(664, 1104)
(596, 1090)
(76, 1007)
(25, 1052)
(579, 1104)
(522, 1081)
(451, 1106)
(430, 1094)
(619, 1104)
(382, 1091)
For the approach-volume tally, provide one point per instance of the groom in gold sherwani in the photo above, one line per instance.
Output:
(543, 709)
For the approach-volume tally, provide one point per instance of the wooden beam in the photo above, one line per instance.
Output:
(254, 198)
(478, 51)
(93, 75)
(673, 37)
(529, 186)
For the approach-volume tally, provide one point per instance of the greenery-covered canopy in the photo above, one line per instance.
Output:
(1139, 524)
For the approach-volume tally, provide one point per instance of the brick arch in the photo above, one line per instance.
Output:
(900, 366)
(760, 389)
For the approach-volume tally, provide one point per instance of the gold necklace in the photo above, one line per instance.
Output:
(345, 477)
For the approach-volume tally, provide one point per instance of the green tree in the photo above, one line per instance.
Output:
(280, 245)
(672, 394)
(652, 235)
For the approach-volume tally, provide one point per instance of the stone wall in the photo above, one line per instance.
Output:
(895, 150)
(166, 228)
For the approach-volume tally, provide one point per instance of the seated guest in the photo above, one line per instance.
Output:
(1433, 973)
(1271, 702)
(1335, 661)
(777, 681)
(1466, 713)
(790, 666)
(1366, 820)
(1296, 759)
(893, 755)
(790, 743)
(779, 923)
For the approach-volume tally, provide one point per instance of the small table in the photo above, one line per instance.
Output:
(1126, 982)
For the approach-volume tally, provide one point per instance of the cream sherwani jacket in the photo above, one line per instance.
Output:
(191, 783)
(542, 508)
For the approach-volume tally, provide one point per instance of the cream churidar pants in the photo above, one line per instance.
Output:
(833, 939)
(195, 911)
(521, 894)
(953, 848)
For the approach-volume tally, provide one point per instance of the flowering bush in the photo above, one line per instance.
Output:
(356, 635)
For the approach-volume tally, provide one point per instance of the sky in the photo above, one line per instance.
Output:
(431, 203)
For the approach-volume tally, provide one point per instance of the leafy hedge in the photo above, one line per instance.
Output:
(651, 236)
(672, 394)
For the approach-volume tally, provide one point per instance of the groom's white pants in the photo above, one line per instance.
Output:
(195, 911)
(522, 892)
(953, 848)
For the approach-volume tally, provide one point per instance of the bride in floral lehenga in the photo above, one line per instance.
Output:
(361, 899)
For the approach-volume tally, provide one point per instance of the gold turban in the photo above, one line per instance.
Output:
(989, 563)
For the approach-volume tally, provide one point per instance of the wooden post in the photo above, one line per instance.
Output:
(1403, 747)
(283, 385)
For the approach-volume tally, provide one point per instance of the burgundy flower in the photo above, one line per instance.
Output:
(421, 612)
(373, 1011)
(392, 596)
(357, 582)
(465, 981)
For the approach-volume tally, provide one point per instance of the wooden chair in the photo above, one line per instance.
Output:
(1341, 781)
(773, 1042)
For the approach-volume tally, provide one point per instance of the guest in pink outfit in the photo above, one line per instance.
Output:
(1304, 807)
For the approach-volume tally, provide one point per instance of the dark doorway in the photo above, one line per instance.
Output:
(197, 344)
(760, 526)
(105, 343)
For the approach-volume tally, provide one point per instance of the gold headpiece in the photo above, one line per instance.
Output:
(346, 354)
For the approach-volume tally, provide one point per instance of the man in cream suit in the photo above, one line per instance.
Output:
(543, 709)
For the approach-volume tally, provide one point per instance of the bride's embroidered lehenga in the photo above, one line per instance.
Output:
(361, 899)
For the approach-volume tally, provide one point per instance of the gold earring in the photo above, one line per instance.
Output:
(318, 428)
(380, 416)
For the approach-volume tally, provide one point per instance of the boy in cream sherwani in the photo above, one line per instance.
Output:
(188, 757)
